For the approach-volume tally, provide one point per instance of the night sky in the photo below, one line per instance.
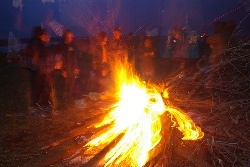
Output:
(87, 17)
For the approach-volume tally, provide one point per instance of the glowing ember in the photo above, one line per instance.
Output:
(137, 117)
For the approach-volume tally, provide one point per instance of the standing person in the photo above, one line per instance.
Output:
(193, 50)
(218, 42)
(117, 46)
(130, 41)
(147, 54)
(179, 48)
(100, 54)
(70, 69)
(58, 82)
(100, 62)
(168, 47)
(85, 66)
(140, 45)
(40, 81)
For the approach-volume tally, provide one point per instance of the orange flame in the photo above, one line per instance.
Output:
(137, 117)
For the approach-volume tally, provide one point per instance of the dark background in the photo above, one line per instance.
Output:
(87, 17)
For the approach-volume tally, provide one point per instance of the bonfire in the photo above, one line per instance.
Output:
(140, 123)
(135, 121)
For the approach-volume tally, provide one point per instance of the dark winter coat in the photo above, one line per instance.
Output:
(69, 56)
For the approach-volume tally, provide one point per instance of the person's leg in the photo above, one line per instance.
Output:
(36, 88)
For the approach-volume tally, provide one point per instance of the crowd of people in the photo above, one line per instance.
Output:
(61, 73)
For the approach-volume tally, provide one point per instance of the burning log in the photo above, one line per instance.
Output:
(161, 155)
(94, 161)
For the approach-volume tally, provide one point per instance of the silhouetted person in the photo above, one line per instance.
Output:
(147, 54)
(168, 50)
(219, 40)
(59, 84)
(70, 69)
(203, 46)
(179, 48)
(192, 43)
(40, 81)
(100, 63)
(117, 45)
(84, 59)
(131, 45)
